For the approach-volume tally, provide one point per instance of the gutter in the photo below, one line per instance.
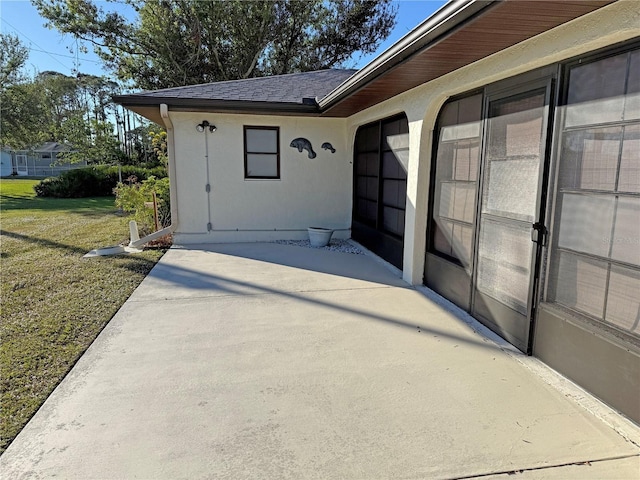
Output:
(202, 104)
(450, 16)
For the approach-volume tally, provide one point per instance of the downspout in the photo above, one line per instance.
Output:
(208, 185)
(137, 242)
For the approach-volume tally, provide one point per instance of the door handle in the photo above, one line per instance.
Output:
(539, 234)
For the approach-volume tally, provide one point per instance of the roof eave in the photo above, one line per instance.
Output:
(212, 105)
(447, 18)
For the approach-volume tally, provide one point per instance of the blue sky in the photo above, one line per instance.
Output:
(49, 50)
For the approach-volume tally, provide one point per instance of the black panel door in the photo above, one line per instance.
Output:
(380, 187)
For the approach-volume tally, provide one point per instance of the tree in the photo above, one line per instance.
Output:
(13, 55)
(19, 107)
(21, 116)
(53, 107)
(185, 42)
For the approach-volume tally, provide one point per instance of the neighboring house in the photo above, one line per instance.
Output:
(493, 154)
(42, 161)
(6, 167)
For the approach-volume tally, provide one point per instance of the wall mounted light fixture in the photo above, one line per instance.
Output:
(205, 124)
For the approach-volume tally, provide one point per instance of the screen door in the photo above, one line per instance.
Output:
(514, 155)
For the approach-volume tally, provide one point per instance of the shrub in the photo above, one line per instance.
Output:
(97, 181)
(134, 197)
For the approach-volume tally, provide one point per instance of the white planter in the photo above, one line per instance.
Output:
(319, 237)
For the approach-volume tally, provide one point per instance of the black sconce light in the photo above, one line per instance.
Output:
(201, 126)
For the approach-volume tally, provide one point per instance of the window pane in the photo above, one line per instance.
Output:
(470, 110)
(513, 160)
(504, 258)
(372, 164)
(395, 134)
(596, 92)
(361, 163)
(442, 237)
(262, 141)
(623, 303)
(371, 192)
(394, 193)
(515, 127)
(391, 167)
(585, 223)
(445, 159)
(456, 177)
(367, 139)
(462, 242)
(626, 235)
(366, 209)
(262, 165)
(630, 163)
(579, 283)
(458, 201)
(393, 220)
(467, 157)
(590, 159)
(632, 101)
(448, 115)
(512, 188)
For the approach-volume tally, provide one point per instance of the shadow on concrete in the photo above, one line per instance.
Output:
(192, 279)
(357, 267)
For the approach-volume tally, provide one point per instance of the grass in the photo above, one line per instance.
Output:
(54, 302)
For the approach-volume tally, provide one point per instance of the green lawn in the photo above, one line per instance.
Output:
(54, 302)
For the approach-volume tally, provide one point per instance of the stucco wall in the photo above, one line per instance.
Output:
(607, 26)
(310, 192)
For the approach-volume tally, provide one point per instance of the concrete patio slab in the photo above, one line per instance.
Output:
(274, 361)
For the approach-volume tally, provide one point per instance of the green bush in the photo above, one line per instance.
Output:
(97, 181)
(135, 197)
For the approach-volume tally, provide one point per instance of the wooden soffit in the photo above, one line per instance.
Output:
(497, 27)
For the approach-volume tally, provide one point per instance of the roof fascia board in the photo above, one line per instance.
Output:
(444, 20)
(200, 104)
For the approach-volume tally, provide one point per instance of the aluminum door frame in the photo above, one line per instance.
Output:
(546, 78)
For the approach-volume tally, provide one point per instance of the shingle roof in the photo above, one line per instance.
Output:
(290, 88)
(48, 147)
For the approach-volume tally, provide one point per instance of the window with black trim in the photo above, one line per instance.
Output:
(261, 152)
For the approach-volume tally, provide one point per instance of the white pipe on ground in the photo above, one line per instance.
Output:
(140, 242)
(134, 236)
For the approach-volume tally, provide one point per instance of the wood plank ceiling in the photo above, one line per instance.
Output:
(499, 26)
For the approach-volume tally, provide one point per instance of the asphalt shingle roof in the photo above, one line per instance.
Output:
(290, 88)
(48, 147)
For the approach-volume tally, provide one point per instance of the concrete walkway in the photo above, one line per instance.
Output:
(266, 361)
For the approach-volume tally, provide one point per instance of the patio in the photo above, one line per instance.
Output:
(275, 361)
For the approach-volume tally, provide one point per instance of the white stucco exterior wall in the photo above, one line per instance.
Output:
(607, 26)
(310, 192)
